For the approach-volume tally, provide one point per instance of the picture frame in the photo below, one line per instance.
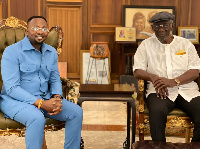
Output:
(138, 17)
(189, 32)
(125, 34)
(98, 74)
(131, 80)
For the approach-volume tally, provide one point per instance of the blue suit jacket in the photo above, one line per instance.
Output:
(28, 75)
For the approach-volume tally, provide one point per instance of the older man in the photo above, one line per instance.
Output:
(170, 64)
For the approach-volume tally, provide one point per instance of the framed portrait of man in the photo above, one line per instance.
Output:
(138, 17)
(125, 34)
(189, 32)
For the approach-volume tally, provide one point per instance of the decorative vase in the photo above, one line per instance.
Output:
(99, 50)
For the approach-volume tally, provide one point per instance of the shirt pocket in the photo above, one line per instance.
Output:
(50, 69)
(180, 62)
(27, 72)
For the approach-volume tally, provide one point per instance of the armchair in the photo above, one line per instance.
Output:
(12, 30)
(177, 121)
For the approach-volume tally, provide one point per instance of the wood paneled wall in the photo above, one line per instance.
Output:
(22, 11)
(189, 13)
(64, 0)
(86, 21)
(103, 16)
(70, 19)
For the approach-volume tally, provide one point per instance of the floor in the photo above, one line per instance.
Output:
(104, 127)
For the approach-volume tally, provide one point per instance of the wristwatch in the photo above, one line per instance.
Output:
(177, 82)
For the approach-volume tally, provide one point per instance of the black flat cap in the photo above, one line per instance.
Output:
(162, 16)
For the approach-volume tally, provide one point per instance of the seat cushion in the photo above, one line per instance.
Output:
(6, 123)
(9, 123)
(174, 112)
(178, 112)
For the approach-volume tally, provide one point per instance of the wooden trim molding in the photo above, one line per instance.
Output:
(177, 12)
(65, 1)
(9, 12)
(190, 6)
(1, 11)
(39, 13)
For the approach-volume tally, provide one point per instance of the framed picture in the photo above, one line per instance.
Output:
(125, 34)
(131, 80)
(94, 71)
(191, 33)
(138, 17)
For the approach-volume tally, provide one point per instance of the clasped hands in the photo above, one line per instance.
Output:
(53, 106)
(160, 84)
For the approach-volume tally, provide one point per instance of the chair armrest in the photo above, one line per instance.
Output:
(74, 94)
(66, 86)
(140, 98)
(140, 95)
(70, 90)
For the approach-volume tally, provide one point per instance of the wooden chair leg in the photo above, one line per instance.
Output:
(187, 134)
(44, 146)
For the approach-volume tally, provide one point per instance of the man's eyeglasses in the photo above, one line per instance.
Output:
(165, 26)
(38, 28)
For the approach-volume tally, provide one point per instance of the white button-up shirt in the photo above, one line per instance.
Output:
(162, 60)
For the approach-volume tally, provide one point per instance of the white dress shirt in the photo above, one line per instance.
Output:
(162, 60)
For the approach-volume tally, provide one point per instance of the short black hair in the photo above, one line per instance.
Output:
(33, 17)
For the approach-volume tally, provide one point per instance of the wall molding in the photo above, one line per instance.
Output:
(1, 11)
(9, 9)
(65, 1)
(39, 12)
(190, 9)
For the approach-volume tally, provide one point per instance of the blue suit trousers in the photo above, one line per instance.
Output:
(34, 120)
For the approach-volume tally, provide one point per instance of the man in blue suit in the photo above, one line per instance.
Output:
(32, 88)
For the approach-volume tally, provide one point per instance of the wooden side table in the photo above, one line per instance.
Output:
(112, 92)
